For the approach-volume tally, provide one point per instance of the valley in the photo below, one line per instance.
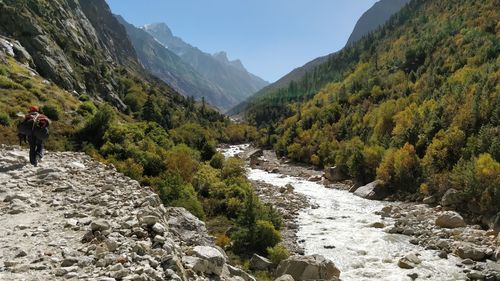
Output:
(166, 161)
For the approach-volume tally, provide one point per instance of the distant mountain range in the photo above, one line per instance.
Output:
(224, 83)
(170, 68)
(371, 20)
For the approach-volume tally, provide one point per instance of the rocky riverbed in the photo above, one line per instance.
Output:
(372, 240)
(74, 218)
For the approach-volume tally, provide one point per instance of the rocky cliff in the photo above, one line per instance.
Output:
(72, 217)
(79, 45)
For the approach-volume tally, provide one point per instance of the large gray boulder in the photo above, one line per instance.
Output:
(260, 263)
(373, 191)
(335, 174)
(315, 267)
(450, 219)
(451, 197)
(209, 260)
(187, 228)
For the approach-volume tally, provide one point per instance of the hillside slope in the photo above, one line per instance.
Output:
(414, 105)
(376, 16)
(170, 68)
(73, 217)
(230, 76)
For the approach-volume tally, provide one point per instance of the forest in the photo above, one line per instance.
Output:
(415, 104)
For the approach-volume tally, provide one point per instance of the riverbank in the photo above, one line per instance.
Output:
(469, 249)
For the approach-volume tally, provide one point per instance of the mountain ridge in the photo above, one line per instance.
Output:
(170, 68)
(233, 79)
(367, 23)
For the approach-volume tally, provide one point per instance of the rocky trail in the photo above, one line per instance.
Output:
(74, 218)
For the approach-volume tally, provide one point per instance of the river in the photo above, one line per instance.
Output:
(339, 229)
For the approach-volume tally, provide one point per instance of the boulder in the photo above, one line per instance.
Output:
(187, 228)
(254, 154)
(450, 219)
(315, 178)
(99, 225)
(260, 263)
(452, 197)
(285, 277)
(315, 267)
(409, 261)
(335, 174)
(213, 259)
(237, 272)
(469, 251)
(429, 200)
(373, 191)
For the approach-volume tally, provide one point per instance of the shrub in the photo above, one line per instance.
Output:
(222, 241)
(96, 127)
(130, 168)
(183, 161)
(277, 253)
(53, 112)
(233, 167)
(4, 119)
(265, 236)
(217, 161)
(87, 108)
(27, 84)
(84, 98)
(175, 192)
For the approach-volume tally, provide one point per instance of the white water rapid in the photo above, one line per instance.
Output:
(339, 230)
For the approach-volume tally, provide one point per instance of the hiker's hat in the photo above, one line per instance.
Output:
(34, 108)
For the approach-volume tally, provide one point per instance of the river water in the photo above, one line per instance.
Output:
(339, 230)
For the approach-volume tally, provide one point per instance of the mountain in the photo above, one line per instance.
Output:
(415, 105)
(372, 19)
(230, 76)
(375, 17)
(170, 68)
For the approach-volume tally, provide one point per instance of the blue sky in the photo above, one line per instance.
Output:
(271, 37)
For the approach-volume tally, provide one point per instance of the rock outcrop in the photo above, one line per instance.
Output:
(373, 191)
(72, 217)
(315, 267)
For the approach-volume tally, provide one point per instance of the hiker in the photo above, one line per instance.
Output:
(34, 128)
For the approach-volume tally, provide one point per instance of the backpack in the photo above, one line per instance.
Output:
(35, 124)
